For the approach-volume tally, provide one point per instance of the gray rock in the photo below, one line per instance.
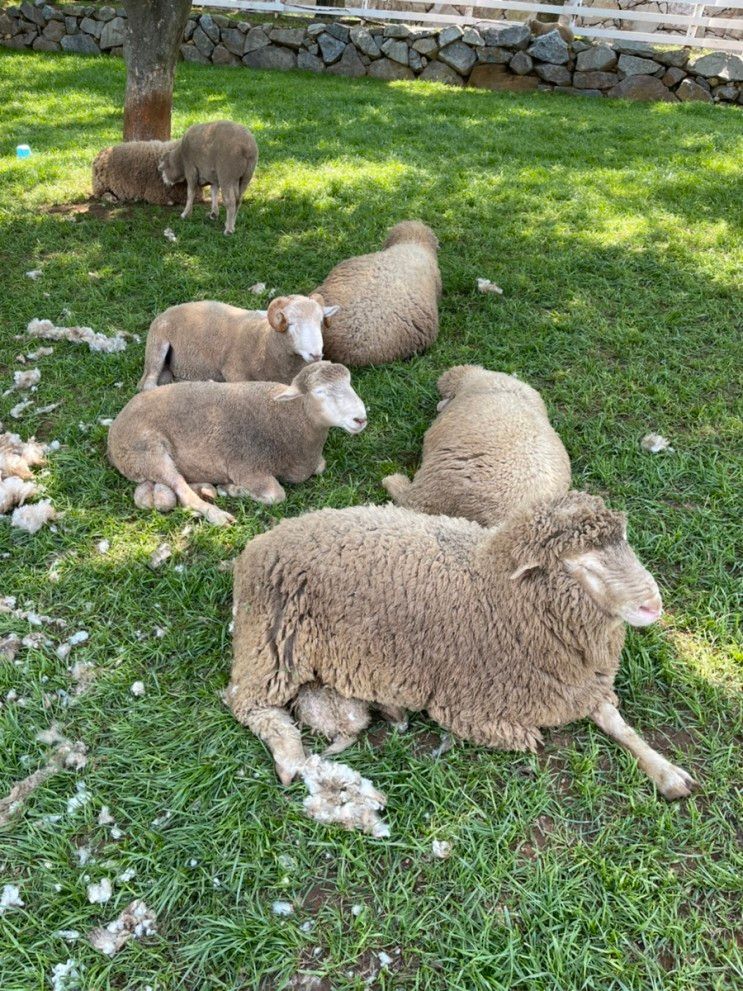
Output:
(289, 37)
(634, 48)
(233, 40)
(313, 49)
(416, 61)
(243, 26)
(339, 31)
(449, 34)
(471, 36)
(203, 42)
(438, 72)
(18, 41)
(70, 24)
(222, 56)
(255, 38)
(7, 25)
(331, 48)
(91, 27)
(112, 34)
(349, 65)
(673, 76)
(42, 44)
(494, 56)
(459, 56)
(701, 81)
(364, 41)
(513, 36)
(117, 52)
(385, 68)
(426, 46)
(550, 47)
(595, 80)
(728, 93)
(642, 88)
(54, 31)
(270, 57)
(80, 44)
(677, 57)
(521, 63)
(496, 78)
(33, 14)
(190, 28)
(724, 65)
(631, 65)
(397, 31)
(105, 13)
(689, 90)
(396, 50)
(191, 53)
(309, 62)
(221, 20)
(558, 74)
(315, 29)
(599, 58)
(570, 91)
(580, 46)
(209, 27)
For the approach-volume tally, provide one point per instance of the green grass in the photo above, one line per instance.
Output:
(615, 232)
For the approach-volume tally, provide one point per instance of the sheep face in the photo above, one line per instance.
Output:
(302, 318)
(619, 585)
(170, 169)
(329, 397)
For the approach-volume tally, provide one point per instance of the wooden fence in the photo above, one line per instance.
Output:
(691, 26)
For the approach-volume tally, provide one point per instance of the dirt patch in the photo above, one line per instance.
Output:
(321, 894)
(377, 735)
(90, 208)
(425, 742)
(666, 738)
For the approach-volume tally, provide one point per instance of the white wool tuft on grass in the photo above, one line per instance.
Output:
(338, 794)
(10, 897)
(655, 443)
(170, 235)
(100, 891)
(67, 976)
(80, 798)
(39, 353)
(441, 849)
(485, 285)
(282, 908)
(20, 408)
(77, 335)
(137, 689)
(105, 818)
(15, 491)
(160, 556)
(25, 379)
(68, 935)
(135, 922)
(33, 517)
(258, 288)
(34, 273)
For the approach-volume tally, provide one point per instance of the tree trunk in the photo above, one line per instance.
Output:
(152, 35)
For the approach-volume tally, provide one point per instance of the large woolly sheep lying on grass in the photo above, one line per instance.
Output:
(490, 452)
(388, 300)
(208, 340)
(178, 441)
(221, 154)
(130, 172)
(495, 633)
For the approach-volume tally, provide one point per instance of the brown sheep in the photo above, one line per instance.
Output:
(494, 632)
(130, 172)
(490, 452)
(221, 154)
(388, 300)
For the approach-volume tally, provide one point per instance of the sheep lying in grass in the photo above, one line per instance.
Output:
(130, 172)
(221, 154)
(210, 340)
(491, 451)
(494, 632)
(388, 300)
(182, 439)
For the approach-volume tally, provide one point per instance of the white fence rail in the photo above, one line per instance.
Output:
(691, 26)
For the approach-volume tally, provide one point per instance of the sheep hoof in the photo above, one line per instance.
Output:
(674, 782)
(213, 215)
(218, 517)
(339, 744)
(227, 233)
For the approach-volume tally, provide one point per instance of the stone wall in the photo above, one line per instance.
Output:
(501, 57)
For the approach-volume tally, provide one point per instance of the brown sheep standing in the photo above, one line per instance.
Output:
(221, 154)
(490, 452)
(494, 632)
(130, 173)
(388, 300)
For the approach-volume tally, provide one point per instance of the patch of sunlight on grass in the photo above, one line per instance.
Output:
(335, 176)
(718, 665)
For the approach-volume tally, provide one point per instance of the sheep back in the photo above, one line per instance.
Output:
(129, 173)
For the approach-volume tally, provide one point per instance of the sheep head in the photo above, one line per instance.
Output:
(170, 165)
(303, 319)
(579, 535)
(412, 232)
(330, 399)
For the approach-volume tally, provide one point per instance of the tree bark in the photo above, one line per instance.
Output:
(152, 35)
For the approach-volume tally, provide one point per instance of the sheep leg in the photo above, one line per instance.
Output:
(215, 202)
(395, 715)
(398, 487)
(190, 194)
(671, 781)
(143, 495)
(263, 488)
(321, 466)
(170, 476)
(281, 735)
(154, 365)
(229, 197)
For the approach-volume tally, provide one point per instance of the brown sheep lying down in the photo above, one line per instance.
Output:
(130, 173)
(495, 633)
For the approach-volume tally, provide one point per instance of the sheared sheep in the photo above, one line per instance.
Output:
(490, 452)
(130, 172)
(210, 340)
(388, 300)
(494, 632)
(221, 154)
(191, 436)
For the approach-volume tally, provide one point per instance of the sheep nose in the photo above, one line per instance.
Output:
(361, 420)
(652, 607)
(316, 357)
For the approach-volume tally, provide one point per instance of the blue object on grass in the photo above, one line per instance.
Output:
(23, 151)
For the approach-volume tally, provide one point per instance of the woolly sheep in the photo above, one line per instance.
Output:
(130, 172)
(388, 300)
(240, 435)
(491, 451)
(494, 632)
(538, 28)
(221, 154)
(210, 340)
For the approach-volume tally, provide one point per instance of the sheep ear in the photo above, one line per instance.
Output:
(442, 404)
(290, 392)
(523, 569)
(276, 316)
(317, 297)
(330, 311)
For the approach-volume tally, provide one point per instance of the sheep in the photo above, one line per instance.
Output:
(490, 452)
(388, 300)
(221, 154)
(210, 340)
(179, 440)
(129, 172)
(495, 632)
(339, 719)
(538, 28)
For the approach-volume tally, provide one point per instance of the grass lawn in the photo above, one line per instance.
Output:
(616, 234)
